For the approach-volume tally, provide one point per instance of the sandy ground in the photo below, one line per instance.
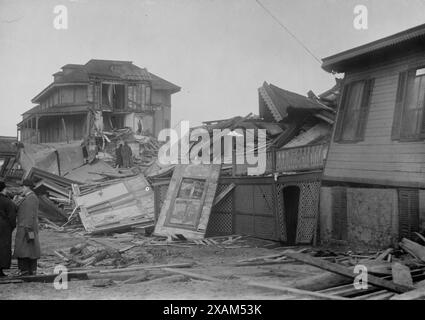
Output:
(209, 260)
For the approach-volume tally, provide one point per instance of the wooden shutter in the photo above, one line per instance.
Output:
(341, 111)
(399, 103)
(339, 213)
(364, 108)
(408, 212)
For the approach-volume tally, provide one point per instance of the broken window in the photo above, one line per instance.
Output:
(134, 97)
(113, 95)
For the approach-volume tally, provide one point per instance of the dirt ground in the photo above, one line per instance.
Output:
(208, 260)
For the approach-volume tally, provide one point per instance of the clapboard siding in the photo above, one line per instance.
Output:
(378, 159)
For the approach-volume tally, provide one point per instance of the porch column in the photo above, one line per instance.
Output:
(37, 135)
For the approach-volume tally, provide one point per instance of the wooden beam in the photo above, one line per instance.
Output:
(298, 292)
(336, 268)
(50, 277)
(418, 293)
(192, 275)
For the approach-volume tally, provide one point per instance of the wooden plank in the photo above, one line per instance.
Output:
(329, 266)
(413, 248)
(401, 274)
(358, 175)
(382, 296)
(418, 293)
(384, 254)
(420, 236)
(192, 274)
(322, 282)
(134, 268)
(223, 194)
(51, 277)
(298, 292)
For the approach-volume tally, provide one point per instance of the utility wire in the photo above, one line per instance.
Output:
(288, 31)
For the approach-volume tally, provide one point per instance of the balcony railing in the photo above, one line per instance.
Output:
(297, 158)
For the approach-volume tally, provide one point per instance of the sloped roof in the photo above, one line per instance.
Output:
(352, 57)
(107, 69)
(162, 84)
(280, 100)
(123, 70)
(78, 74)
(55, 109)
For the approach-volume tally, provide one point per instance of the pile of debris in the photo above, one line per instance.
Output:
(144, 147)
(396, 274)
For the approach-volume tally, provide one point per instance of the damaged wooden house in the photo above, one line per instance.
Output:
(281, 204)
(374, 177)
(9, 170)
(85, 99)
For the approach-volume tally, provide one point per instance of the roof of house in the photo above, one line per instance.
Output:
(346, 59)
(279, 100)
(105, 69)
(72, 109)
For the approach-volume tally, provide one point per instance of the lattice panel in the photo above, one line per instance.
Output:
(280, 212)
(225, 205)
(308, 210)
(160, 193)
(219, 224)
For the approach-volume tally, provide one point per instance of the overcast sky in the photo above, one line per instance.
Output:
(218, 51)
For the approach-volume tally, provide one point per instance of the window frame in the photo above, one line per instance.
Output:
(420, 135)
(365, 102)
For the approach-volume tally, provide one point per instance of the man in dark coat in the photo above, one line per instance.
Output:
(7, 224)
(27, 245)
(118, 156)
(127, 156)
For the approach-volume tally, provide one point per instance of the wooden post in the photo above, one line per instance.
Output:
(273, 150)
(233, 157)
(36, 129)
(64, 130)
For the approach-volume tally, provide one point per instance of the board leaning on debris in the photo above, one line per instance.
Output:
(188, 203)
(120, 205)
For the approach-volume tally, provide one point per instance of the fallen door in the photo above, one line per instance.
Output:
(188, 203)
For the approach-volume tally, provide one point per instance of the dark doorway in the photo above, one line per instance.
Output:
(291, 199)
